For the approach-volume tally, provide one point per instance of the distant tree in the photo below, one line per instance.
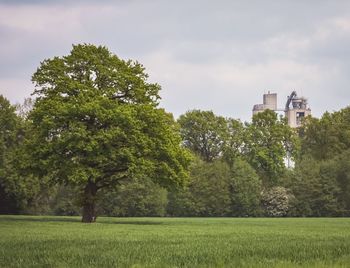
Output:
(268, 141)
(342, 173)
(181, 203)
(326, 137)
(206, 195)
(321, 184)
(316, 189)
(209, 188)
(245, 188)
(234, 143)
(12, 189)
(204, 133)
(95, 122)
(8, 128)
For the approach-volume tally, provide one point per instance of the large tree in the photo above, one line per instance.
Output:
(96, 123)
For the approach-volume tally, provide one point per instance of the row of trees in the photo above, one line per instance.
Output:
(247, 166)
(95, 142)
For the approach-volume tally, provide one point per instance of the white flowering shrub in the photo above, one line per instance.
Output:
(276, 201)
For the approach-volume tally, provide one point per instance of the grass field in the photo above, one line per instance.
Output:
(27, 241)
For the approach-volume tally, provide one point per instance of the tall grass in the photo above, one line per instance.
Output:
(27, 241)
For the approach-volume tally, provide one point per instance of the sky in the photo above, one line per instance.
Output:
(209, 55)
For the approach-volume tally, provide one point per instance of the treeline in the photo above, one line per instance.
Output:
(94, 142)
(237, 169)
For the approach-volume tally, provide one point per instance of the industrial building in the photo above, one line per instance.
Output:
(295, 110)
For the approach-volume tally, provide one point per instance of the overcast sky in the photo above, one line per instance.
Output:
(209, 55)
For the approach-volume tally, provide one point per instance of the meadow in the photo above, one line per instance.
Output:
(36, 241)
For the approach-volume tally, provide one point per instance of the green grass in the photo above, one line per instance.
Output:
(27, 241)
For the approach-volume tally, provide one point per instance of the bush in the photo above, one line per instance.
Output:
(277, 201)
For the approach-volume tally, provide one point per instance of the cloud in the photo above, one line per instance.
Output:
(219, 56)
(16, 90)
(229, 89)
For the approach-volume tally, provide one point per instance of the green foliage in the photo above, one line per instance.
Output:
(207, 193)
(246, 190)
(322, 175)
(204, 133)
(315, 188)
(9, 203)
(180, 203)
(268, 141)
(8, 133)
(65, 201)
(209, 187)
(328, 136)
(15, 191)
(135, 199)
(95, 123)
(8, 126)
(235, 141)
(342, 174)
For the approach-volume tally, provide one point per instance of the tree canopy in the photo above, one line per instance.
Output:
(96, 122)
(204, 133)
(211, 136)
(326, 137)
(268, 141)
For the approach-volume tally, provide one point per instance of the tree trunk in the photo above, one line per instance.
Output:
(89, 203)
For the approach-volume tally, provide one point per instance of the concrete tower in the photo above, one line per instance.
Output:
(298, 111)
(269, 102)
(299, 108)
